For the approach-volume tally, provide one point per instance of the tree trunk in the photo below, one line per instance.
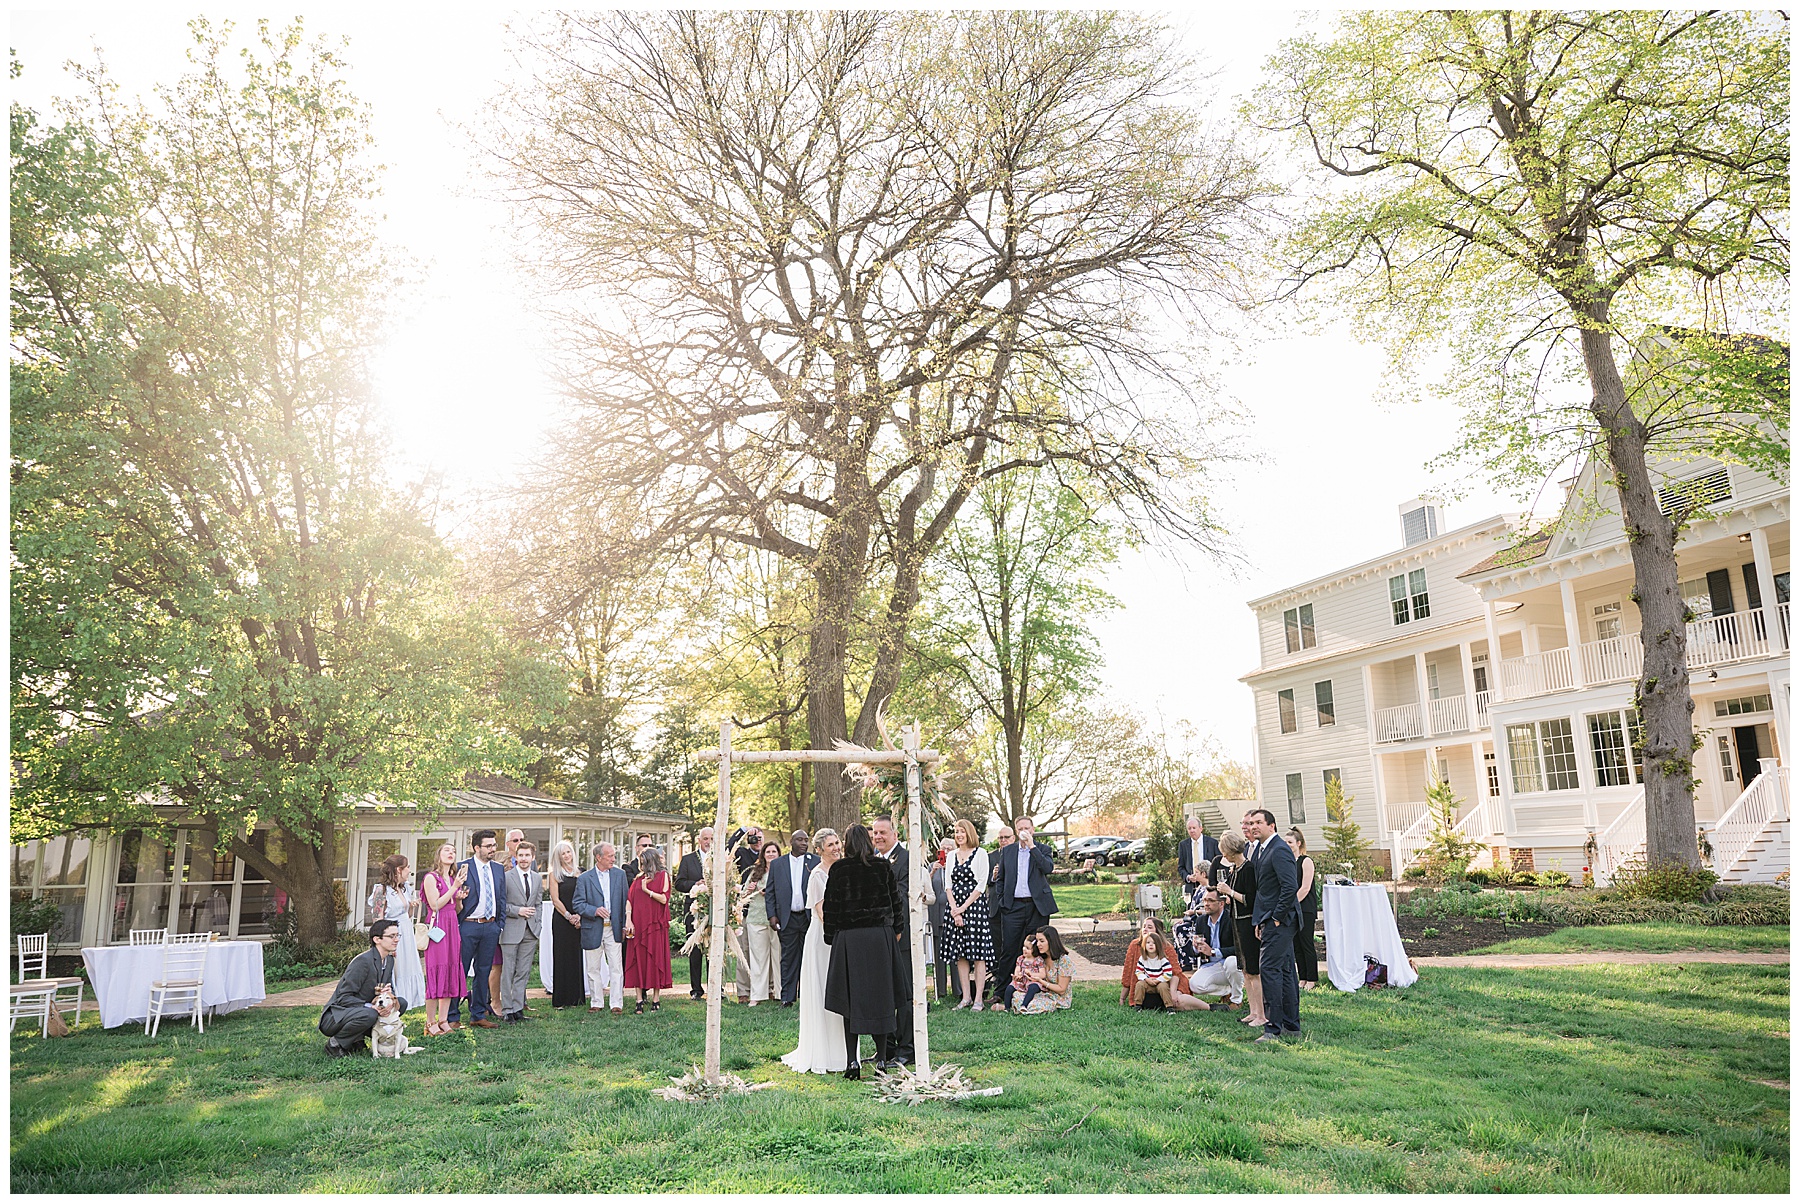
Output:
(836, 805)
(1665, 705)
(306, 879)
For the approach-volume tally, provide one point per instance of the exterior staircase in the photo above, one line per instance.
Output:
(1751, 843)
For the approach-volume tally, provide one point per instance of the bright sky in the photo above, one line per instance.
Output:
(464, 395)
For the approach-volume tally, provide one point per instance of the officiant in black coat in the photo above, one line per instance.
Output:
(888, 846)
(862, 908)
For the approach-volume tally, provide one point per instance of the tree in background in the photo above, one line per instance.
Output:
(673, 779)
(812, 260)
(1541, 188)
(219, 598)
(1447, 851)
(1347, 850)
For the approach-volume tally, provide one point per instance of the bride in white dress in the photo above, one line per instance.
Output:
(821, 1048)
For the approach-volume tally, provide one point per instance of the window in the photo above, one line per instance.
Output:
(1431, 681)
(1750, 704)
(1409, 596)
(1330, 776)
(1327, 709)
(1478, 664)
(1695, 492)
(55, 871)
(1696, 595)
(1297, 625)
(1296, 800)
(1606, 621)
(1613, 736)
(141, 896)
(1542, 756)
(1290, 719)
(1493, 774)
(1727, 762)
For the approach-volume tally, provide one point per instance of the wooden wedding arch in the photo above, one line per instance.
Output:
(913, 758)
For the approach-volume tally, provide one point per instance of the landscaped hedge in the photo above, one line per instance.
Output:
(1585, 908)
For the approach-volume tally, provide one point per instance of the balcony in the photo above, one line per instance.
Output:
(1719, 640)
(1441, 717)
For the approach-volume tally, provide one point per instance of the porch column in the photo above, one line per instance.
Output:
(1468, 671)
(1496, 690)
(1572, 628)
(1765, 584)
(1368, 676)
(1381, 814)
(1424, 690)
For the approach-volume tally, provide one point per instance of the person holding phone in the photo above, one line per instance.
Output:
(444, 980)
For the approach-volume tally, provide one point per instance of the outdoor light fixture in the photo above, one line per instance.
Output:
(1744, 538)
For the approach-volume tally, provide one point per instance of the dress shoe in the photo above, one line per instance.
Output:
(334, 1050)
(1268, 1038)
(453, 1025)
(484, 1022)
(618, 1011)
(890, 1064)
(787, 1003)
(853, 1071)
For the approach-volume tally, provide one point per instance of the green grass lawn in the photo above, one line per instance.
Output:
(1087, 900)
(1649, 938)
(1616, 1079)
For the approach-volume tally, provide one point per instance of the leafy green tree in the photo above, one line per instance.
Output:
(1543, 188)
(672, 778)
(1347, 850)
(1446, 850)
(219, 599)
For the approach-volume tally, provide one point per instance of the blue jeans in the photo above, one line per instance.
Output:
(478, 944)
(1280, 979)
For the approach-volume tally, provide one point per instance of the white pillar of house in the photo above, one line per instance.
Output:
(1381, 811)
(1496, 690)
(1368, 676)
(1572, 628)
(1467, 655)
(1424, 690)
(1765, 585)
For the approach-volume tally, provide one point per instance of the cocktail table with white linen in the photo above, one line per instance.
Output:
(122, 974)
(1359, 923)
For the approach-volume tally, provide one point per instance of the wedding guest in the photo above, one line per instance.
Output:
(1306, 948)
(644, 841)
(513, 837)
(522, 930)
(1194, 858)
(444, 979)
(969, 932)
(693, 878)
(1004, 842)
(1239, 886)
(567, 973)
(1217, 972)
(745, 857)
(862, 907)
(1025, 901)
(888, 847)
(600, 903)
(1277, 917)
(935, 948)
(1058, 976)
(784, 901)
(762, 944)
(1155, 971)
(480, 913)
(1129, 975)
(647, 963)
(350, 1016)
(394, 899)
(1028, 969)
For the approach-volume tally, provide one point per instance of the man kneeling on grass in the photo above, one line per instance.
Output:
(350, 1016)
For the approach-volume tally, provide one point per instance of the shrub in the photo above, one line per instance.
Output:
(1413, 873)
(1478, 877)
(1666, 883)
(1525, 878)
(32, 916)
(1347, 850)
(1554, 879)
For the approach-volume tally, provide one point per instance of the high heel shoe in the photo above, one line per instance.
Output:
(656, 1006)
(640, 1008)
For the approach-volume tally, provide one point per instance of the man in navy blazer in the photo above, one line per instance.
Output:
(481, 913)
(600, 902)
(784, 902)
(1025, 902)
(1276, 914)
(1196, 848)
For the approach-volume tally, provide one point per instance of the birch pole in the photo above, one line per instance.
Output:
(915, 889)
(715, 972)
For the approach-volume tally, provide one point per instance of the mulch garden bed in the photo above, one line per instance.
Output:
(1453, 936)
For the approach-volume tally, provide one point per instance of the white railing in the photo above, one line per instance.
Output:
(1478, 823)
(1763, 801)
(1398, 817)
(1540, 673)
(1398, 723)
(1787, 640)
(1617, 659)
(1481, 709)
(1622, 840)
(1410, 843)
(1449, 715)
(1726, 638)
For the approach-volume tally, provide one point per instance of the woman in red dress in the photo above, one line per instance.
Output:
(647, 964)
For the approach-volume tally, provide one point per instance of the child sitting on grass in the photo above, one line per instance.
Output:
(1028, 972)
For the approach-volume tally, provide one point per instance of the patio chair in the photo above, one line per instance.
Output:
(34, 973)
(183, 974)
(149, 936)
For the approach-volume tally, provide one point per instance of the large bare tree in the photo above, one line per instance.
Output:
(805, 259)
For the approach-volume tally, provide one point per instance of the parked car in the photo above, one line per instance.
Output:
(1097, 847)
(1132, 852)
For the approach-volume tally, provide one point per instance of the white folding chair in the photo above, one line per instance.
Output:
(34, 970)
(183, 971)
(30, 1001)
(149, 936)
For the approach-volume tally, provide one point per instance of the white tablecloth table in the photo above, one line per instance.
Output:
(122, 974)
(1359, 922)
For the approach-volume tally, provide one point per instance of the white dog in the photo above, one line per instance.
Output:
(389, 1038)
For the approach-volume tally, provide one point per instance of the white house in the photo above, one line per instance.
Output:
(1506, 665)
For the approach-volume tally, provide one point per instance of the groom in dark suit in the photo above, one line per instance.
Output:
(1276, 914)
(887, 843)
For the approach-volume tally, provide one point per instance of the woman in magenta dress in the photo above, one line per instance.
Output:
(647, 964)
(444, 979)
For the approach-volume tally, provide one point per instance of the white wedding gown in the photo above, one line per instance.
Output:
(821, 1048)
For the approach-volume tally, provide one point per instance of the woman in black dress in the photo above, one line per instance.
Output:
(862, 907)
(1306, 949)
(568, 983)
(1239, 885)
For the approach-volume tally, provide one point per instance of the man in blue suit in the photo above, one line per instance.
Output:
(1276, 914)
(600, 902)
(481, 913)
(1025, 902)
(784, 902)
(1196, 848)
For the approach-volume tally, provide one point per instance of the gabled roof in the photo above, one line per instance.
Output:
(506, 800)
(1534, 548)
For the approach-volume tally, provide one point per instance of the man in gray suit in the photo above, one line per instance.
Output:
(519, 938)
(600, 902)
(350, 1016)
